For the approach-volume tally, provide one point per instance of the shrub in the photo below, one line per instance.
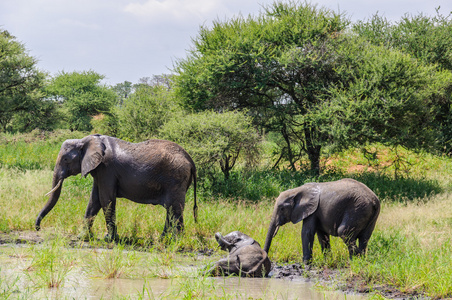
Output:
(215, 139)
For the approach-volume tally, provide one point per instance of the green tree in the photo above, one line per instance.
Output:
(215, 139)
(123, 90)
(20, 80)
(278, 64)
(82, 96)
(145, 111)
(427, 38)
(294, 63)
(41, 114)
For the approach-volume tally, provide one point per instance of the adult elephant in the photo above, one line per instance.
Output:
(150, 172)
(344, 208)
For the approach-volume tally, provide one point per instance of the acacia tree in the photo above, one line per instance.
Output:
(20, 80)
(291, 65)
(278, 65)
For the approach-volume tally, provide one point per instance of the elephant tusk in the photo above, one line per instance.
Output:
(276, 231)
(54, 189)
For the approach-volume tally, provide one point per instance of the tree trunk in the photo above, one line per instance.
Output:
(313, 152)
(289, 149)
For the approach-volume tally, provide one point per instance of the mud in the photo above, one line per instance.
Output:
(283, 277)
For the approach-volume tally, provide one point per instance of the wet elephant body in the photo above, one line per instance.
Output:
(151, 172)
(246, 258)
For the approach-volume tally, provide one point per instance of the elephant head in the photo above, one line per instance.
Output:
(233, 240)
(292, 206)
(76, 156)
(246, 257)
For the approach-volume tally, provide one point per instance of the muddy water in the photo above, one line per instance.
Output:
(230, 288)
(19, 279)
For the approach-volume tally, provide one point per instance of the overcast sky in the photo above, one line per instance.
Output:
(126, 40)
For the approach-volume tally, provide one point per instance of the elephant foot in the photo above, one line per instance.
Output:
(111, 238)
(86, 236)
(307, 262)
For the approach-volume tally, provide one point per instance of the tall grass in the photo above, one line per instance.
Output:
(409, 250)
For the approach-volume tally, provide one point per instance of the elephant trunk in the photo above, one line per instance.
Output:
(53, 198)
(222, 242)
(272, 231)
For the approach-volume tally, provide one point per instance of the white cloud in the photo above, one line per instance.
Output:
(175, 10)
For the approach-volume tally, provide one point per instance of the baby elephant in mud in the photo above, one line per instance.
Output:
(246, 257)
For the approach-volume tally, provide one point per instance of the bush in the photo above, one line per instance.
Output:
(215, 139)
(145, 111)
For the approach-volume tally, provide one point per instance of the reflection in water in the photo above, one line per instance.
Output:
(231, 288)
(17, 278)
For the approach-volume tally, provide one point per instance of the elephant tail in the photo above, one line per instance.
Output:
(195, 205)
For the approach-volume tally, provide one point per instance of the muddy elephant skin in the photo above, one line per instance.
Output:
(345, 208)
(150, 172)
(246, 257)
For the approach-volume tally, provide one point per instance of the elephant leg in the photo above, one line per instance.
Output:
(352, 247)
(225, 267)
(364, 237)
(92, 210)
(349, 238)
(110, 220)
(174, 219)
(324, 240)
(307, 238)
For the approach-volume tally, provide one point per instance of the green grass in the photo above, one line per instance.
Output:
(409, 250)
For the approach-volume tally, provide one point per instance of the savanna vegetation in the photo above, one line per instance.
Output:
(263, 103)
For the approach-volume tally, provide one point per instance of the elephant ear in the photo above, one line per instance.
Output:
(306, 202)
(94, 151)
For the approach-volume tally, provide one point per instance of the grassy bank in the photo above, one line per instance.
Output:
(409, 251)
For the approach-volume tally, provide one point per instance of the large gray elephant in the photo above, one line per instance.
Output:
(344, 208)
(150, 172)
(246, 257)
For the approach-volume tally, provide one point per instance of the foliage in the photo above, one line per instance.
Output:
(36, 150)
(215, 139)
(428, 39)
(107, 124)
(82, 96)
(300, 73)
(277, 65)
(145, 111)
(20, 87)
(123, 90)
(390, 100)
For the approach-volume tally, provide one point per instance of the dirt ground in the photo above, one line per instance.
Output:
(331, 278)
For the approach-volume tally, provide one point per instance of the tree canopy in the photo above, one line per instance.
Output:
(82, 96)
(428, 39)
(20, 80)
(300, 72)
(145, 110)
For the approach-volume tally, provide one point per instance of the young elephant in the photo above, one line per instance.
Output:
(345, 208)
(246, 257)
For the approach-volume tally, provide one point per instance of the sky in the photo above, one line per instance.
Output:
(126, 40)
